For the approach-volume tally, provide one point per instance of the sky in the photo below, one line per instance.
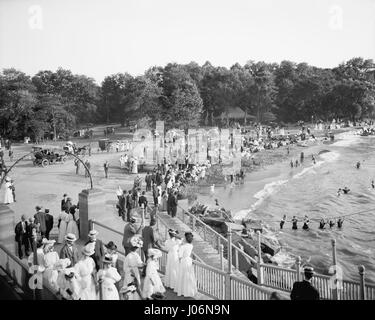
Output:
(102, 37)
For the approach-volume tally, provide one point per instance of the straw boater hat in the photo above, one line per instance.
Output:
(308, 270)
(156, 253)
(70, 237)
(88, 251)
(93, 233)
(62, 264)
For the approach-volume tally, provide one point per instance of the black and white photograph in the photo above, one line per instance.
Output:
(196, 152)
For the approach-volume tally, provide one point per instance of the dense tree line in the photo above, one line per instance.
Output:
(185, 95)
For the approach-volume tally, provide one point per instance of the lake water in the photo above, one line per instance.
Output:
(312, 189)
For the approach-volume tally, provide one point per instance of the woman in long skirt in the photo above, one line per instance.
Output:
(133, 262)
(152, 283)
(86, 271)
(186, 281)
(63, 223)
(8, 198)
(164, 201)
(172, 245)
(108, 276)
(51, 257)
(72, 226)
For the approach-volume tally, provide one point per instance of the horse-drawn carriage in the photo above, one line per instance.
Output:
(46, 155)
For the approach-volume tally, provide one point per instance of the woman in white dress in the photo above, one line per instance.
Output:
(133, 262)
(172, 245)
(107, 277)
(152, 283)
(51, 257)
(8, 198)
(72, 226)
(86, 272)
(63, 223)
(186, 281)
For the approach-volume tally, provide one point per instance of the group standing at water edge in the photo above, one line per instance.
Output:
(306, 222)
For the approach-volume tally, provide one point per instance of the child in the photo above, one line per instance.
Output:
(152, 282)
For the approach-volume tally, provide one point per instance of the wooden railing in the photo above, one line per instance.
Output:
(215, 239)
(278, 277)
(18, 271)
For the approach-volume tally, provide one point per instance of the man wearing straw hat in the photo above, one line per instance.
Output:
(304, 290)
(69, 250)
(97, 246)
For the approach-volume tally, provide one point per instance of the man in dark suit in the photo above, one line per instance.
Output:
(173, 204)
(31, 232)
(155, 194)
(148, 237)
(304, 290)
(69, 250)
(143, 200)
(98, 247)
(21, 236)
(40, 220)
(129, 205)
(122, 205)
(148, 181)
(49, 223)
(63, 202)
(129, 231)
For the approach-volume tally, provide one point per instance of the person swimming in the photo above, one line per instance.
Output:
(313, 159)
(291, 163)
(322, 224)
(306, 223)
(340, 221)
(372, 184)
(331, 223)
(358, 165)
(282, 222)
(346, 190)
(297, 163)
(294, 222)
(339, 191)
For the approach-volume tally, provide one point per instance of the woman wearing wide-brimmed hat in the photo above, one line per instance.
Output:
(172, 245)
(69, 287)
(133, 262)
(107, 278)
(86, 271)
(152, 283)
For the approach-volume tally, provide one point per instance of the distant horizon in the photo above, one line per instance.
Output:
(200, 64)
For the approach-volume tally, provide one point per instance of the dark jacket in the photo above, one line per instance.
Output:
(142, 199)
(148, 237)
(129, 201)
(63, 205)
(129, 232)
(67, 253)
(20, 235)
(172, 201)
(49, 222)
(40, 217)
(303, 290)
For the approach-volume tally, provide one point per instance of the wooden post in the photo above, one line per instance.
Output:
(259, 267)
(91, 224)
(143, 215)
(193, 226)
(334, 261)
(298, 268)
(362, 288)
(229, 255)
(221, 253)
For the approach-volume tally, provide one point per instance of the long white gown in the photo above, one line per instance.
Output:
(152, 282)
(50, 273)
(186, 281)
(131, 264)
(72, 226)
(170, 279)
(86, 269)
(8, 197)
(63, 226)
(109, 276)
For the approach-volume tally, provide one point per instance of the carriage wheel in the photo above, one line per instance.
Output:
(45, 162)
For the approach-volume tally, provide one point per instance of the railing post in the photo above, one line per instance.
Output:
(259, 267)
(204, 233)
(143, 215)
(193, 226)
(298, 268)
(229, 254)
(218, 244)
(334, 261)
(236, 257)
(91, 224)
(362, 285)
(221, 253)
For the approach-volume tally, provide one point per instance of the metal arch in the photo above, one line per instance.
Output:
(32, 152)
